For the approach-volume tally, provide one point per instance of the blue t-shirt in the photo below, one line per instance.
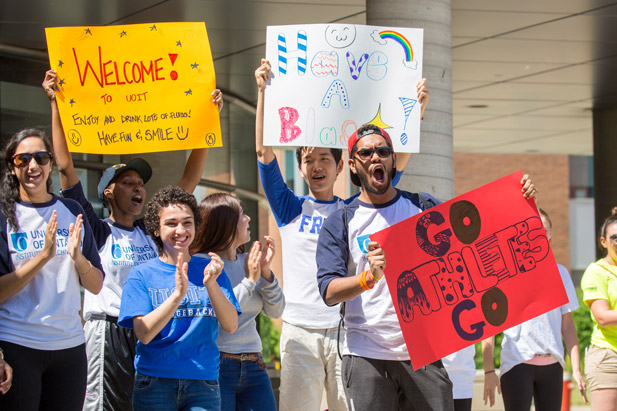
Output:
(186, 347)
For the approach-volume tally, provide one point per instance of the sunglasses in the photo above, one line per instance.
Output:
(613, 239)
(23, 159)
(366, 153)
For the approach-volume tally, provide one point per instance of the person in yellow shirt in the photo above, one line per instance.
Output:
(599, 286)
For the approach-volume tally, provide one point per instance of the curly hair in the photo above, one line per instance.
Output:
(8, 181)
(220, 213)
(166, 196)
(607, 221)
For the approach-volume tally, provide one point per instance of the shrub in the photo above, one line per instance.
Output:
(270, 339)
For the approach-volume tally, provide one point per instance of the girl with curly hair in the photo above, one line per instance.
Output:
(175, 303)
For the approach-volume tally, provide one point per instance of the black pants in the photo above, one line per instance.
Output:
(45, 380)
(462, 404)
(542, 382)
(111, 373)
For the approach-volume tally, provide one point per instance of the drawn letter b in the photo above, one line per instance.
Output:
(289, 130)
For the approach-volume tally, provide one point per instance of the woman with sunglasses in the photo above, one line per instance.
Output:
(46, 252)
(599, 286)
(122, 242)
(224, 230)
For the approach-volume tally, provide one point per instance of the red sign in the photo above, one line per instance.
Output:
(472, 267)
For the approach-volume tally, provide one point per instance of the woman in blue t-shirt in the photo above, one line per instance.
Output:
(122, 243)
(175, 304)
(245, 384)
(47, 251)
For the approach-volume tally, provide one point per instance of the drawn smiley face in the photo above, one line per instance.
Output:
(340, 35)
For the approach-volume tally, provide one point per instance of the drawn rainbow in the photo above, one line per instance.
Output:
(400, 39)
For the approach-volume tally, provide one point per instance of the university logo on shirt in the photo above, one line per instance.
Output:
(116, 251)
(192, 305)
(363, 241)
(20, 241)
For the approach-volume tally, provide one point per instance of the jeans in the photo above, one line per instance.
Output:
(245, 385)
(163, 394)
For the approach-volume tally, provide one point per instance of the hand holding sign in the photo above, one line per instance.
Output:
(134, 88)
(377, 260)
(346, 75)
(474, 266)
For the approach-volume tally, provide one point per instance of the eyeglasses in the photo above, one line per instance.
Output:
(613, 239)
(366, 153)
(23, 159)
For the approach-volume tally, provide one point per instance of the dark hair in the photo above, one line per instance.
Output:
(607, 221)
(105, 199)
(220, 213)
(166, 196)
(364, 131)
(545, 215)
(337, 153)
(9, 183)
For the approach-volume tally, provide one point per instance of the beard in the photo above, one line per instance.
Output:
(365, 181)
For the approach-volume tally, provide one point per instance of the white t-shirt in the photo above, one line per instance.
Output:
(373, 330)
(540, 335)
(121, 248)
(299, 220)
(462, 371)
(44, 315)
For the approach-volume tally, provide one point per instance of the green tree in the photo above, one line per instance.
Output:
(270, 339)
(496, 354)
(584, 325)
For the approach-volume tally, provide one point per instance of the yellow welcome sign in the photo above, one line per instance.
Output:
(135, 88)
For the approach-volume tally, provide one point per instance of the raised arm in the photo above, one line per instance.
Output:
(265, 154)
(148, 326)
(423, 95)
(346, 288)
(62, 156)
(12, 283)
(224, 309)
(90, 277)
(271, 293)
(196, 162)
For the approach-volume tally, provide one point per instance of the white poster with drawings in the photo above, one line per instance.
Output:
(329, 79)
